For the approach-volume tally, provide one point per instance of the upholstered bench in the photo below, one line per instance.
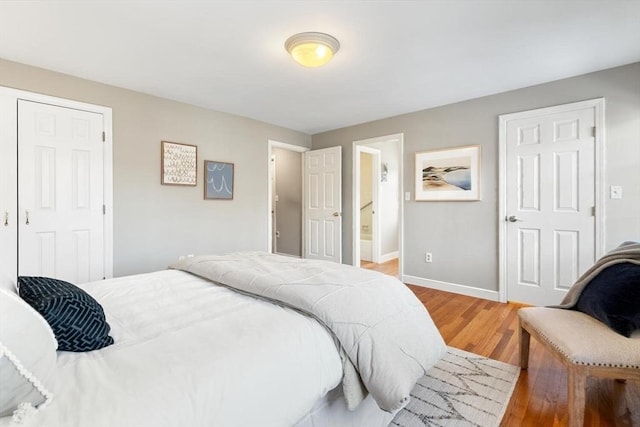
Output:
(586, 347)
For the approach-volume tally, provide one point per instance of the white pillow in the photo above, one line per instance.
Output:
(27, 355)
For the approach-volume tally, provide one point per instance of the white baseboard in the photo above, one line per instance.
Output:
(452, 287)
(289, 255)
(388, 257)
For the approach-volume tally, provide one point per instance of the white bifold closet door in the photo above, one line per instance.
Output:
(60, 192)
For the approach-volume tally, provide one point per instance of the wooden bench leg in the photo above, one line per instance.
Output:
(577, 383)
(525, 339)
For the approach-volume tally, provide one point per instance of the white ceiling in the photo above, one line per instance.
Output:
(395, 56)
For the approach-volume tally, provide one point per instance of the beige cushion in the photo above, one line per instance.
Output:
(582, 339)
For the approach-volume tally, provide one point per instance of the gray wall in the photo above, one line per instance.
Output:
(154, 224)
(465, 234)
(289, 204)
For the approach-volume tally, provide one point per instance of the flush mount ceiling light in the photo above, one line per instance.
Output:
(312, 49)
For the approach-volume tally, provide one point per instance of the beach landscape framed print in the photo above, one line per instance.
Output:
(448, 174)
(179, 164)
(218, 180)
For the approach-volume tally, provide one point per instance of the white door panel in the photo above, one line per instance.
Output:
(550, 199)
(323, 204)
(60, 196)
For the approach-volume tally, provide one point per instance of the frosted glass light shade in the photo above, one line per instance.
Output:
(312, 49)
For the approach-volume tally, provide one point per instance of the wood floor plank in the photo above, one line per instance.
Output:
(490, 329)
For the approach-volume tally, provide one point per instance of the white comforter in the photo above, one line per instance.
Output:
(385, 332)
(189, 353)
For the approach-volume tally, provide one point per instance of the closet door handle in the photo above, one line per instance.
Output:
(6, 219)
(27, 215)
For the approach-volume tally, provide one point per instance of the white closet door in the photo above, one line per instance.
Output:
(550, 203)
(8, 194)
(60, 192)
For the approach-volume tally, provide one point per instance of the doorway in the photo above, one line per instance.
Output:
(285, 199)
(377, 190)
(551, 199)
(369, 228)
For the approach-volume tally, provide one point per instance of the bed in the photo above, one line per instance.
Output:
(234, 349)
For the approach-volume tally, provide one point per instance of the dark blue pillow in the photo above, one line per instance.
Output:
(77, 320)
(613, 297)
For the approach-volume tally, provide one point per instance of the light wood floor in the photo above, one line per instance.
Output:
(540, 399)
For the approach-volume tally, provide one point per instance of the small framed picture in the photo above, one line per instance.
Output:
(179, 164)
(448, 174)
(218, 180)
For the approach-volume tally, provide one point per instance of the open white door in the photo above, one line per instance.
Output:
(323, 204)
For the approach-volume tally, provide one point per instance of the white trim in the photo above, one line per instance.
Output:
(388, 257)
(273, 219)
(598, 105)
(10, 138)
(355, 249)
(452, 287)
(291, 147)
(286, 146)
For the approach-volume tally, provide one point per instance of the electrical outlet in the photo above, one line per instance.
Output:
(615, 192)
(428, 257)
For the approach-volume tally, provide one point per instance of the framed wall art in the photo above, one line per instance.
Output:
(218, 180)
(448, 174)
(179, 164)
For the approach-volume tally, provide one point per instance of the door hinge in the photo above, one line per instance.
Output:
(593, 211)
(104, 209)
(104, 136)
(593, 131)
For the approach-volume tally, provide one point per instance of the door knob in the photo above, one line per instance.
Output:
(513, 218)
(336, 214)
(27, 215)
(6, 219)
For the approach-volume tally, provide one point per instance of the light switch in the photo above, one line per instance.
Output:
(407, 196)
(615, 192)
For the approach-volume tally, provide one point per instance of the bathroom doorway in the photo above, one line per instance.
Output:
(377, 200)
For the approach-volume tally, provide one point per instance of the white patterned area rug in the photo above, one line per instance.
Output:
(462, 389)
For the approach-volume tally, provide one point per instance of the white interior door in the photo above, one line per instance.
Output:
(550, 201)
(60, 192)
(323, 204)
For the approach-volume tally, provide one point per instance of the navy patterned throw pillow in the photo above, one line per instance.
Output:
(613, 297)
(77, 320)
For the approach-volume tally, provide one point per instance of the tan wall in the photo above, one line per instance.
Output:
(154, 224)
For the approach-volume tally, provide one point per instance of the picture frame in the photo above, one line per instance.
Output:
(179, 164)
(450, 174)
(218, 180)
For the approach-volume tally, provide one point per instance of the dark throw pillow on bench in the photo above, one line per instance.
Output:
(77, 320)
(613, 297)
